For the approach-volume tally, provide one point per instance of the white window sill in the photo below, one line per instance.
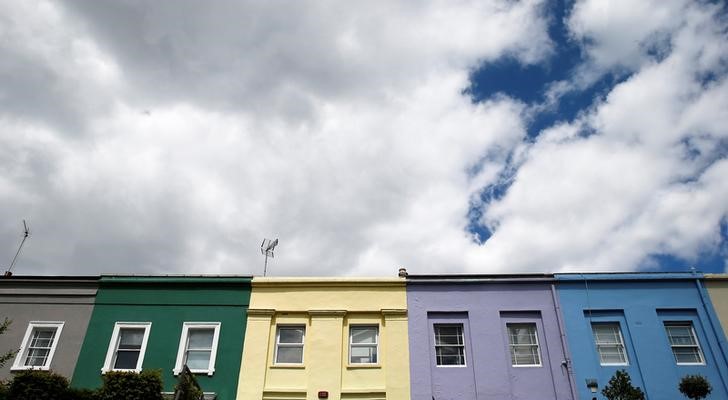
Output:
(288, 366)
(527, 366)
(363, 366)
(208, 372)
(26, 368)
(104, 371)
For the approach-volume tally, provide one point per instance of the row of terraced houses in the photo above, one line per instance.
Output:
(424, 337)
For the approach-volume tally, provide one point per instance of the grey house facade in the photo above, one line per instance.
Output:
(49, 317)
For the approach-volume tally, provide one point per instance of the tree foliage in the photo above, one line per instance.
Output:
(38, 385)
(146, 385)
(10, 354)
(187, 387)
(695, 387)
(620, 388)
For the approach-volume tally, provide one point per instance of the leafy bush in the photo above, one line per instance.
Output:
(3, 390)
(146, 385)
(620, 388)
(82, 394)
(10, 354)
(38, 385)
(188, 388)
(695, 387)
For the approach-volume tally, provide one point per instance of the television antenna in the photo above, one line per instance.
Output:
(26, 234)
(266, 248)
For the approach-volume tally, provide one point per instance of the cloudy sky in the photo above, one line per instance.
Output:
(443, 136)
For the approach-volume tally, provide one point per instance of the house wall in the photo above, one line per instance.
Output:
(168, 302)
(641, 304)
(26, 299)
(717, 286)
(326, 307)
(484, 309)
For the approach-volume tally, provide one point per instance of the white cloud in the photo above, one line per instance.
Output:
(142, 137)
(340, 129)
(647, 179)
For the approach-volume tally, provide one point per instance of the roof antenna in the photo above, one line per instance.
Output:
(26, 234)
(266, 248)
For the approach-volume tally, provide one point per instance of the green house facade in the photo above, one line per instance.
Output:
(165, 322)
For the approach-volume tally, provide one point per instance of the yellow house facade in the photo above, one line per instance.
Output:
(326, 338)
(717, 285)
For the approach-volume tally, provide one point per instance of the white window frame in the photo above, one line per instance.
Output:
(114, 343)
(22, 355)
(620, 343)
(365, 345)
(462, 337)
(215, 326)
(279, 344)
(684, 324)
(512, 346)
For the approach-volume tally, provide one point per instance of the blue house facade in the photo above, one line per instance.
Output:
(658, 327)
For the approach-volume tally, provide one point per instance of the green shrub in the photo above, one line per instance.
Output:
(38, 385)
(3, 390)
(7, 356)
(695, 387)
(620, 388)
(188, 388)
(146, 385)
(82, 394)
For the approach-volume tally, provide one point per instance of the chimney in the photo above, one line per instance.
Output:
(402, 273)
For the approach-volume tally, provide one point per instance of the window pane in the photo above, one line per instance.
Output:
(126, 359)
(522, 333)
(290, 335)
(610, 347)
(131, 338)
(450, 356)
(449, 345)
(687, 355)
(363, 334)
(681, 335)
(364, 355)
(200, 338)
(684, 344)
(448, 335)
(198, 359)
(611, 355)
(606, 333)
(39, 347)
(42, 338)
(36, 357)
(289, 355)
(525, 355)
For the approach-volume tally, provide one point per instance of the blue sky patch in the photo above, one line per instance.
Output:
(529, 84)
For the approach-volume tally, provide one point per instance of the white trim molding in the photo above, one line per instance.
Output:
(183, 343)
(114, 344)
(33, 328)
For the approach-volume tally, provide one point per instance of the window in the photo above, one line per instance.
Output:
(363, 343)
(523, 345)
(198, 347)
(449, 345)
(684, 344)
(289, 344)
(610, 345)
(39, 344)
(127, 346)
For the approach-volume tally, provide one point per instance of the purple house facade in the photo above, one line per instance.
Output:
(486, 337)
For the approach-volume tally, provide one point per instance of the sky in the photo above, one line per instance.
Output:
(501, 136)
